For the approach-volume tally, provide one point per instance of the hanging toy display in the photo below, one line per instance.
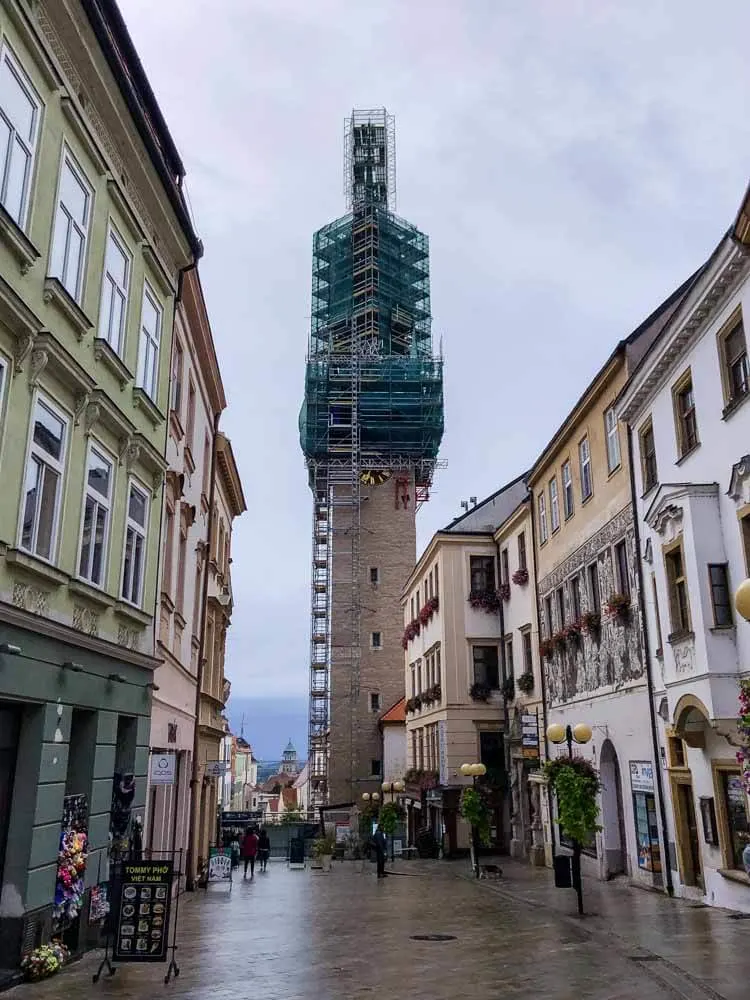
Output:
(123, 793)
(71, 865)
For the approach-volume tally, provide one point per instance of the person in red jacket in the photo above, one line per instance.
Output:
(250, 850)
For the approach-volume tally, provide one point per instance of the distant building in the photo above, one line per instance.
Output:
(289, 764)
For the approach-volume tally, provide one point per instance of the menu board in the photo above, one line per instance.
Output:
(142, 929)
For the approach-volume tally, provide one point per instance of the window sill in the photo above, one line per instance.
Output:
(733, 405)
(648, 490)
(735, 875)
(104, 352)
(132, 613)
(175, 426)
(569, 516)
(91, 592)
(58, 295)
(588, 499)
(17, 241)
(142, 400)
(179, 621)
(613, 472)
(722, 629)
(166, 602)
(189, 460)
(36, 567)
(686, 454)
(677, 637)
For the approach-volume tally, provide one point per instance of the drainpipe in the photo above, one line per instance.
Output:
(667, 867)
(504, 672)
(194, 779)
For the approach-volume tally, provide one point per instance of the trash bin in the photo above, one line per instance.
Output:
(563, 868)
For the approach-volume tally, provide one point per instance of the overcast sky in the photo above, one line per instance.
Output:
(571, 160)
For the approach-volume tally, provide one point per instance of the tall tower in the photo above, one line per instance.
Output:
(370, 429)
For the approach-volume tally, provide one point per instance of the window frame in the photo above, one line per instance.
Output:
(554, 505)
(686, 422)
(379, 643)
(57, 465)
(567, 490)
(510, 666)
(731, 400)
(143, 531)
(527, 647)
(560, 607)
(521, 541)
(647, 429)
(593, 590)
(574, 589)
(94, 445)
(114, 235)
(542, 514)
(622, 568)
(585, 468)
(177, 374)
(375, 701)
(678, 628)
(612, 438)
(490, 561)
(504, 566)
(26, 84)
(721, 769)
(548, 615)
(153, 392)
(712, 586)
(484, 646)
(67, 158)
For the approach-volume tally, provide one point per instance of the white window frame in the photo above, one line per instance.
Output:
(142, 531)
(145, 341)
(67, 159)
(612, 430)
(554, 504)
(58, 465)
(32, 146)
(100, 501)
(567, 489)
(543, 518)
(587, 474)
(111, 285)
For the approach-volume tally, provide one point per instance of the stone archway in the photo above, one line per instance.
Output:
(613, 828)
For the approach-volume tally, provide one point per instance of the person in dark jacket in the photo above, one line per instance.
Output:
(264, 850)
(381, 848)
(250, 850)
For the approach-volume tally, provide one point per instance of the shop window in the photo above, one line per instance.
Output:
(733, 815)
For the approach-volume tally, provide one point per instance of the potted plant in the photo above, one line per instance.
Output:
(485, 600)
(509, 689)
(480, 691)
(322, 850)
(521, 577)
(618, 608)
(434, 603)
(526, 682)
(546, 649)
(591, 623)
(559, 640)
(437, 692)
(576, 784)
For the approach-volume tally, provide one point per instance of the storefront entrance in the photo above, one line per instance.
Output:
(687, 833)
(9, 726)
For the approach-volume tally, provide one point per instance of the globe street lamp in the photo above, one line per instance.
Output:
(580, 733)
(742, 600)
(474, 771)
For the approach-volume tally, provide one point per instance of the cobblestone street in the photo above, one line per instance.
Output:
(289, 935)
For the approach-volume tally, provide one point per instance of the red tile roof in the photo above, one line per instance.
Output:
(396, 713)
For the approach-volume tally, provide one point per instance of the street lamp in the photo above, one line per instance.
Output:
(474, 771)
(580, 733)
(742, 599)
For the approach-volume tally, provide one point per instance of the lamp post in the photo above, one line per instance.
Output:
(742, 600)
(474, 771)
(580, 733)
(392, 788)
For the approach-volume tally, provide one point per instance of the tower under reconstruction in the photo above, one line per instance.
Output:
(370, 429)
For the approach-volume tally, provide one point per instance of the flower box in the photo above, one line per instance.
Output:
(572, 633)
(480, 692)
(619, 608)
(521, 577)
(546, 649)
(591, 623)
(485, 600)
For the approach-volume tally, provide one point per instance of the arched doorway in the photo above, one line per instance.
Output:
(613, 829)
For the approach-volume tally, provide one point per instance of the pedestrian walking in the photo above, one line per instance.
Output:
(250, 850)
(381, 848)
(264, 850)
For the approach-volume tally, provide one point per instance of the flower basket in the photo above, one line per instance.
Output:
(437, 692)
(504, 591)
(411, 631)
(559, 640)
(480, 692)
(44, 962)
(591, 623)
(546, 649)
(485, 600)
(426, 697)
(743, 727)
(526, 682)
(424, 615)
(573, 633)
(619, 608)
(521, 577)
(434, 604)
(509, 689)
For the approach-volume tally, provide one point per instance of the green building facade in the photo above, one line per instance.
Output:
(94, 238)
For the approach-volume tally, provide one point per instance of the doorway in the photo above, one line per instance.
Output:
(9, 729)
(613, 831)
(687, 835)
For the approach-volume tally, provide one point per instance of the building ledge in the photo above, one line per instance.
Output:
(133, 614)
(189, 460)
(35, 566)
(166, 602)
(179, 620)
(83, 133)
(91, 593)
(685, 455)
(104, 352)
(58, 295)
(175, 426)
(142, 400)
(676, 637)
(735, 875)
(17, 241)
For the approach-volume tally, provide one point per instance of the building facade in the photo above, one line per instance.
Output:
(94, 236)
(690, 427)
(196, 401)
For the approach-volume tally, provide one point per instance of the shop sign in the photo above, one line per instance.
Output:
(443, 750)
(342, 832)
(529, 736)
(215, 768)
(241, 818)
(434, 796)
(220, 864)
(641, 776)
(162, 769)
(142, 911)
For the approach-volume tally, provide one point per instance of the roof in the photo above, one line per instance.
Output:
(290, 747)
(289, 796)
(488, 515)
(230, 474)
(195, 312)
(396, 713)
(741, 228)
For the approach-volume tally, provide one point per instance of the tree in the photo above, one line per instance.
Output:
(290, 815)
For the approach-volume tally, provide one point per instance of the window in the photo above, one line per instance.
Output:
(522, 550)
(560, 594)
(177, 366)
(612, 432)
(685, 420)
(485, 666)
(482, 572)
(648, 457)
(567, 481)
(621, 561)
(374, 701)
(96, 508)
(70, 235)
(542, 519)
(656, 614)
(190, 430)
(148, 361)
(168, 546)
(115, 286)
(734, 809)
(197, 596)
(504, 566)
(548, 616)
(575, 598)
(44, 472)
(376, 640)
(374, 576)
(744, 529)
(437, 582)
(206, 466)
(528, 656)
(20, 113)
(593, 580)
(735, 374)
(678, 595)
(134, 560)
(584, 461)
(721, 599)
(413, 673)
(181, 561)
(554, 505)
(375, 768)
(509, 666)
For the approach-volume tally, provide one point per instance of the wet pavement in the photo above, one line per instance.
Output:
(302, 935)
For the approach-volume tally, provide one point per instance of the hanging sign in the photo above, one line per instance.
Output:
(443, 751)
(215, 768)
(162, 769)
(142, 911)
(641, 776)
(529, 736)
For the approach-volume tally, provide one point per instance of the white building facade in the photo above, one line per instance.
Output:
(690, 433)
